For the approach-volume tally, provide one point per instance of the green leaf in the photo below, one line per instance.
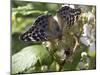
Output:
(77, 56)
(92, 53)
(54, 66)
(28, 57)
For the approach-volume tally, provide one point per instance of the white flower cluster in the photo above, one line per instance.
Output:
(88, 36)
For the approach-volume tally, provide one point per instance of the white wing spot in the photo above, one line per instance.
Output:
(32, 39)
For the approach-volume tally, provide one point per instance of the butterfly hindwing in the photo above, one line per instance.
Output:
(37, 31)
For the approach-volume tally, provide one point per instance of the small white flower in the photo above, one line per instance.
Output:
(89, 35)
(87, 29)
(83, 54)
(44, 68)
(47, 44)
(61, 54)
(85, 40)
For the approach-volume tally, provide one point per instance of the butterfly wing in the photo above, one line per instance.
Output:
(42, 30)
(67, 15)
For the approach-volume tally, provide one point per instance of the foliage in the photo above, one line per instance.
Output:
(49, 56)
(29, 56)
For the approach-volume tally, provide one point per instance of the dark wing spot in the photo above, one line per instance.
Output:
(41, 30)
(35, 37)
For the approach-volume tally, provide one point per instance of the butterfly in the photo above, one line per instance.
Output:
(67, 16)
(43, 29)
(46, 27)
